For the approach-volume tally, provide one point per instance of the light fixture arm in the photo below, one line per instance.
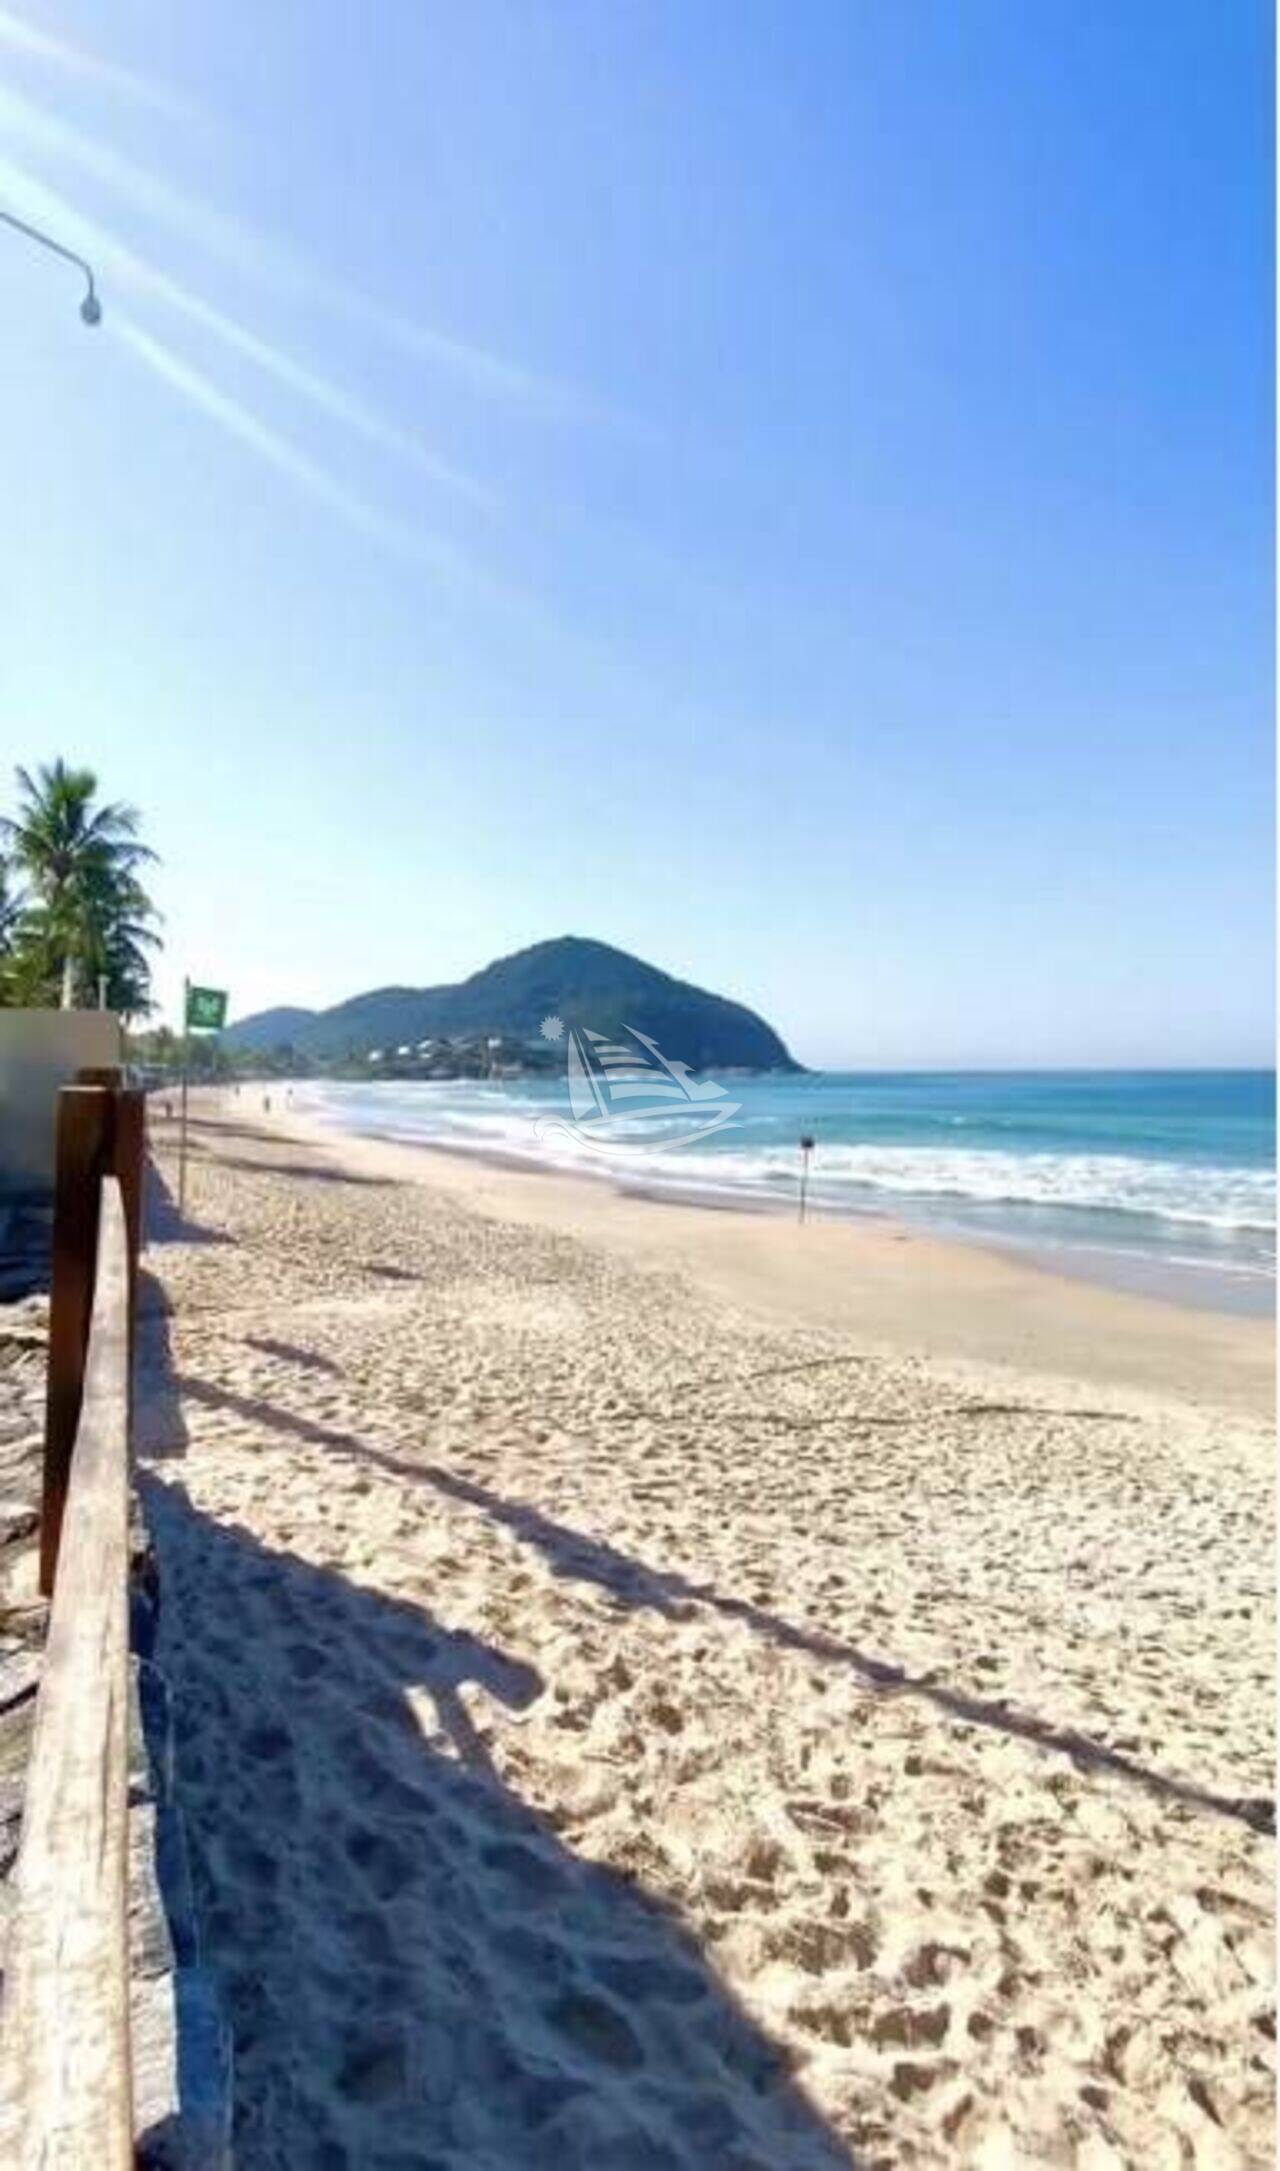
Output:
(90, 307)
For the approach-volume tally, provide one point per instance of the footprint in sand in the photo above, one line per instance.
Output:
(598, 2028)
(266, 1743)
(536, 1878)
(385, 1867)
(906, 2028)
(306, 1660)
(533, 1949)
(638, 1980)
(375, 2068)
(932, 1965)
(911, 2079)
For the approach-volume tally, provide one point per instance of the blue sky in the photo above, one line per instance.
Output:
(786, 489)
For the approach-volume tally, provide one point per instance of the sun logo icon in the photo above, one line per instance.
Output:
(552, 1027)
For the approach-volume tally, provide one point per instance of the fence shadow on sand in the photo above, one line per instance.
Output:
(574, 1554)
(164, 1223)
(418, 1970)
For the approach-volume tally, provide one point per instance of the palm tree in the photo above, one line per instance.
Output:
(86, 913)
(117, 947)
(10, 922)
(10, 910)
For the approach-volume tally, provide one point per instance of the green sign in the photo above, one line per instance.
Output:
(206, 1010)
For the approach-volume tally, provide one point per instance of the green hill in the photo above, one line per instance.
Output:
(588, 984)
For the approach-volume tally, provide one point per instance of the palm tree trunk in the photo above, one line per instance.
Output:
(68, 986)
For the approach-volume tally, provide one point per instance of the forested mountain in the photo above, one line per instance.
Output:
(587, 984)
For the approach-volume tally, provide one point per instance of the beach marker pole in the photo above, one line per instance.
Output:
(806, 1148)
(182, 1139)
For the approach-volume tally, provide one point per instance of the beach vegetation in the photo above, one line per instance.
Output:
(76, 924)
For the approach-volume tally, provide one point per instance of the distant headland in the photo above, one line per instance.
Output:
(500, 1011)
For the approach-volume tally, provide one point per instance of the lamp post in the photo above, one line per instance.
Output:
(90, 307)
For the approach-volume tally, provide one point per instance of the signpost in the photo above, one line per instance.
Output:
(806, 1148)
(204, 1010)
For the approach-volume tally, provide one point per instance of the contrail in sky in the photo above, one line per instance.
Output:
(238, 247)
(242, 423)
(426, 552)
(331, 399)
(236, 244)
(27, 38)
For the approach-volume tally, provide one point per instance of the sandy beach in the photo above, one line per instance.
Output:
(666, 1688)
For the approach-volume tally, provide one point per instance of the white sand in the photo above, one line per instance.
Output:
(631, 1715)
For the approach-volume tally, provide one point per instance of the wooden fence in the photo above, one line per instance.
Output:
(65, 2079)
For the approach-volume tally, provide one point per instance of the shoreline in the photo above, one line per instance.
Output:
(1199, 1263)
(1188, 1286)
(902, 1290)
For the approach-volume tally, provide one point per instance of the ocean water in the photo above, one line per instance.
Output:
(1155, 1179)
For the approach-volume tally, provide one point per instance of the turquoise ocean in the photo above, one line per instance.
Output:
(1160, 1180)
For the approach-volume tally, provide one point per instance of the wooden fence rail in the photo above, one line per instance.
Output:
(65, 2080)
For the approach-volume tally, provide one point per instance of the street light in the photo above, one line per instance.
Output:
(90, 307)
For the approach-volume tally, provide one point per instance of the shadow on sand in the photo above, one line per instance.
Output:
(299, 1171)
(309, 1360)
(419, 1972)
(164, 1224)
(159, 1424)
(574, 1555)
(218, 1128)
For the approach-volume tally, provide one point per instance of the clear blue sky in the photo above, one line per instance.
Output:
(783, 488)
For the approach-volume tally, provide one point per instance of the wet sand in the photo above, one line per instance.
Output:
(658, 1688)
(901, 1291)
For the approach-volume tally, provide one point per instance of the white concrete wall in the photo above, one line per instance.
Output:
(41, 1050)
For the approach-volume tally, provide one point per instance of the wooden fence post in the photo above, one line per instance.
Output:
(129, 1165)
(82, 1143)
(127, 1157)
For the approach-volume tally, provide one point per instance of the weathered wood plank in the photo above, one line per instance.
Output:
(64, 2053)
(83, 1140)
(129, 1163)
